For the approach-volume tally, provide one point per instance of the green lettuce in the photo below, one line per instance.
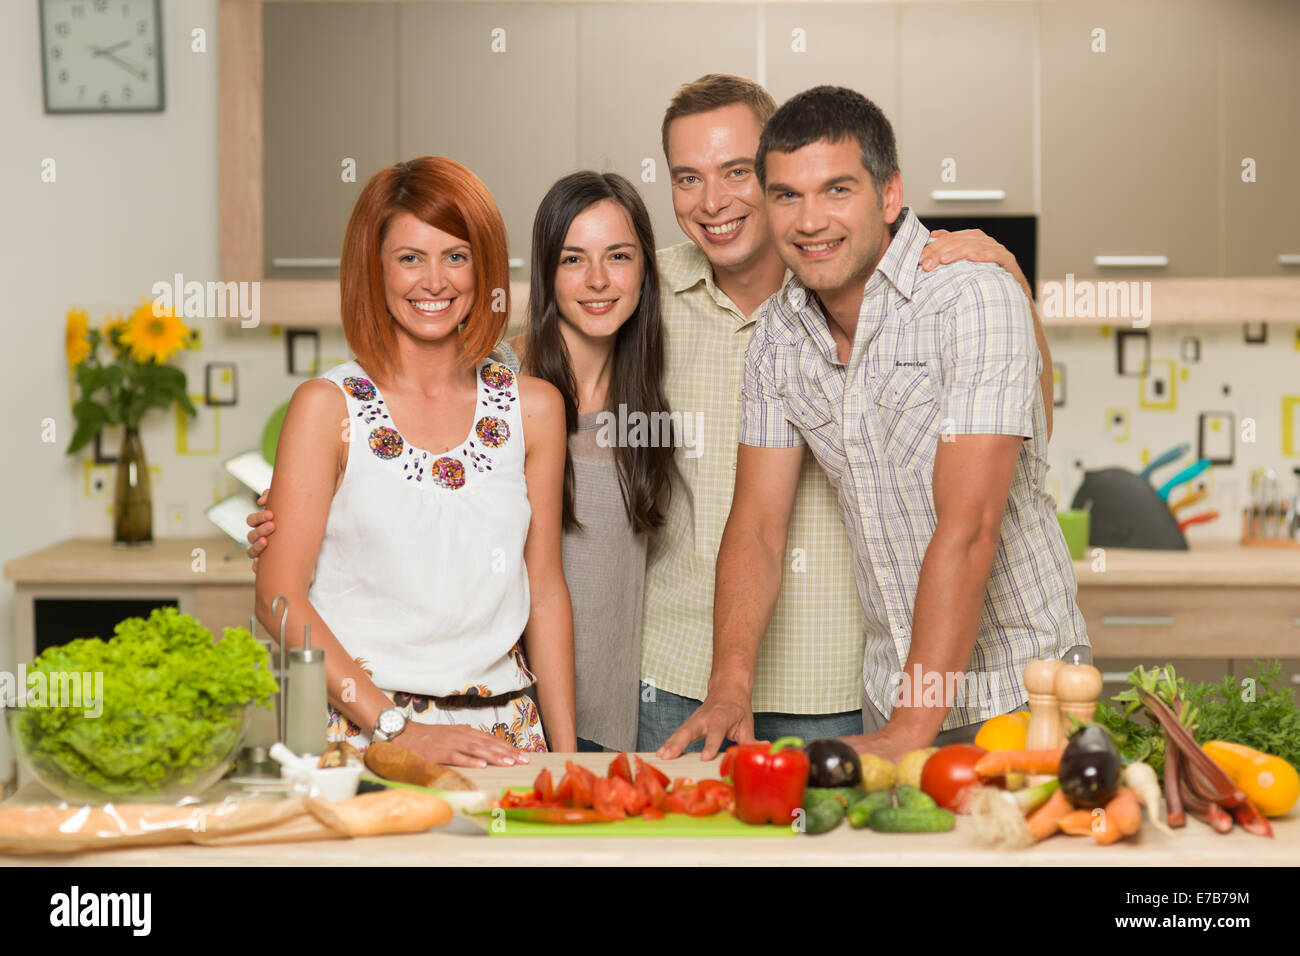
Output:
(169, 704)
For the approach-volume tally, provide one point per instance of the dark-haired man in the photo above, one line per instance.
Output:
(919, 395)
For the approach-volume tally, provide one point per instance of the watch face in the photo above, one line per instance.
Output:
(101, 55)
(391, 721)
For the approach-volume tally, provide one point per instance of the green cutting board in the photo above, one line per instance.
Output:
(672, 825)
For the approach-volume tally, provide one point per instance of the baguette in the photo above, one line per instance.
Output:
(374, 814)
(394, 762)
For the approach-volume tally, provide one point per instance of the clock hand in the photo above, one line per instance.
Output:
(133, 70)
(104, 50)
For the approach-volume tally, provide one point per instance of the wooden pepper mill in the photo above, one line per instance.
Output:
(1077, 688)
(1044, 712)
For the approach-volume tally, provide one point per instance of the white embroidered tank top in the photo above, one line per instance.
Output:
(421, 571)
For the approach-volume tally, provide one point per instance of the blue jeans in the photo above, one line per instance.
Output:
(660, 714)
(586, 746)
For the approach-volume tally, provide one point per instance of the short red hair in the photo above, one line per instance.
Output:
(447, 196)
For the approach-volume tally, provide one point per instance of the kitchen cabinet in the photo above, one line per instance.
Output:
(1261, 123)
(967, 123)
(329, 123)
(815, 44)
(494, 86)
(632, 58)
(1130, 156)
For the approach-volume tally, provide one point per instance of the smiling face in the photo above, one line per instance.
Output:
(598, 279)
(428, 278)
(716, 195)
(830, 225)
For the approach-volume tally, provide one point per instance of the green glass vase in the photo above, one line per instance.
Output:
(132, 502)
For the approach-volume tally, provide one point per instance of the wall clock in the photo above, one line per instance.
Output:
(102, 56)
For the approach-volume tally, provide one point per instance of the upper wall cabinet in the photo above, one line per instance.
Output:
(634, 57)
(494, 86)
(966, 140)
(1130, 138)
(329, 122)
(836, 44)
(1261, 138)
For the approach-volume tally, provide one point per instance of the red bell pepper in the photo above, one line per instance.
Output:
(769, 780)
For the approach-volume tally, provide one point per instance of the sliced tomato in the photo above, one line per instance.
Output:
(564, 790)
(653, 791)
(632, 800)
(555, 815)
(606, 801)
(620, 768)
(544, 787)
(676, 802)
(682, 782)
(652, 813)
(717, 793)
(583, 785)
(644, 769)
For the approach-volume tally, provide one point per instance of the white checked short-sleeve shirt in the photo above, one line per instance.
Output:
(949, 351)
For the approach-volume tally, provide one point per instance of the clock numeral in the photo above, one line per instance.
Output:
(103, 98)
(101, 6)
(126, 91)
(56, 52)
(126, 10)
(148, 49)
(78, 11)
(61, 29)
(141, 27)
(81, 92)
(63, 76)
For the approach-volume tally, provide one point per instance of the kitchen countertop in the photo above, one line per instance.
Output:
(1208, 564)
(464, 843)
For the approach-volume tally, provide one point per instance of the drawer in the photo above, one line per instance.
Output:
(1175, 623)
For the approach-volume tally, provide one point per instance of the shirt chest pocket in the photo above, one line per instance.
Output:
(816, 422)
(907, 411)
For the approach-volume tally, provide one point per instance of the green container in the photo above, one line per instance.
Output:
(1074, 525)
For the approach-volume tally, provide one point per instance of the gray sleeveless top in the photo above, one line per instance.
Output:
(604, 567)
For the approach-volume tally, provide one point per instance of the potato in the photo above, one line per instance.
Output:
(877, 773)
(909, 768)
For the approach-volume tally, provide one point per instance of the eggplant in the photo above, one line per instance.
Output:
(832, 763)
(1090, 768)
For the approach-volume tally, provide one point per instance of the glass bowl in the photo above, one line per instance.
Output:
(127, 757)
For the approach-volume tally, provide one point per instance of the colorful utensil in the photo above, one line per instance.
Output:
(1201, 518)
(1169, 457)
(1191, 498)
(1187, 474)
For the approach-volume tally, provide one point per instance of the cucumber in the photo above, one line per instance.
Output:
(862, 809)
(914, 799)
(823, 809)
(907, 820)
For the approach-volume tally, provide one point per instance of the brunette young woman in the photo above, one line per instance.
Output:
(419, 492)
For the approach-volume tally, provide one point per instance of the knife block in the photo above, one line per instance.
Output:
(1127, 512)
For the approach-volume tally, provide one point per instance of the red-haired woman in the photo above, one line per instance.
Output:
(430, 520)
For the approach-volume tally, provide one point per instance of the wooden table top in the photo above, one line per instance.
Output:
(465, 842)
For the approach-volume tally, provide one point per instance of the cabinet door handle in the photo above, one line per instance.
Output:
(515, 263)
(292, 263)
(1135, 620)
(1289, 259)
(1131, 262)
(968, 195)
(1114, 677)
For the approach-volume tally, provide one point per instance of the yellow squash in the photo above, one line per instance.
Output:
(1271, 783)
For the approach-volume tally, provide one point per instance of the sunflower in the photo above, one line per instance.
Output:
(114, 326)
(153, 336)
(76, 337)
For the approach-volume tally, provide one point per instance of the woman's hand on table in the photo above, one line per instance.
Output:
(459, 746)
(262, 524)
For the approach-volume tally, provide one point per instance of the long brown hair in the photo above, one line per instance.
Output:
(636, 380)
(447, 196)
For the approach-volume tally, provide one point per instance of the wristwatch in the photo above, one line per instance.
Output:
(390, 722)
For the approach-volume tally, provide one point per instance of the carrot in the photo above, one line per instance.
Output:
(1125, 811)
(1044, 821)
(1077, 823)
(999, 763)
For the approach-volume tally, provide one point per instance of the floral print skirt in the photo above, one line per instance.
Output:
(517, 722)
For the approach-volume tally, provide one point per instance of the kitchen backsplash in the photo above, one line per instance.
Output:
(1123, 397)
(1231, 392)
